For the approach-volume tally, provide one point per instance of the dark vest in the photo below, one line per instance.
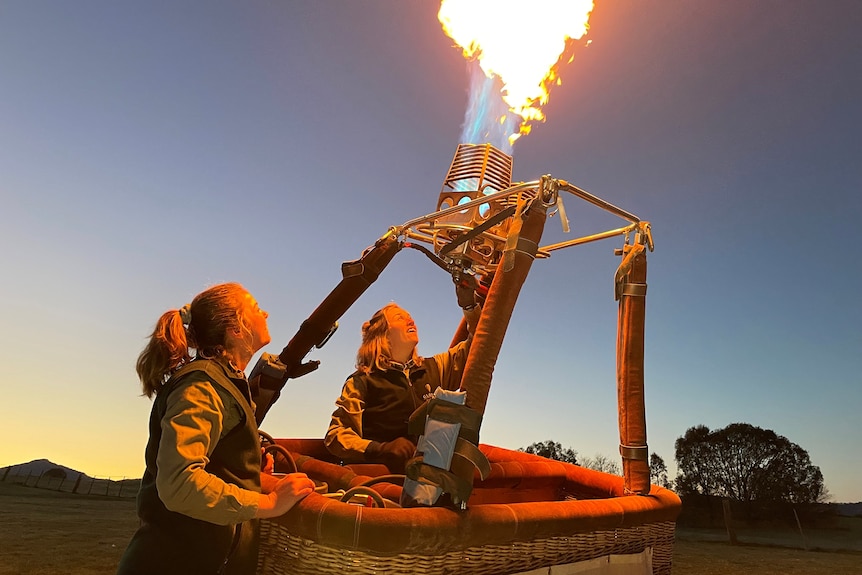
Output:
(391, 398)
(168, 542)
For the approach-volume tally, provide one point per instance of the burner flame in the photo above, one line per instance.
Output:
(517, 44)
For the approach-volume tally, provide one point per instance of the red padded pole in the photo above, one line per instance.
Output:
(497, 311)
(630, 372)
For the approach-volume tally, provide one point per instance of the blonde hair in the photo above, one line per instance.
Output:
(213, 313)
(374, 351)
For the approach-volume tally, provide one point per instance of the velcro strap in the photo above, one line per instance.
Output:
(445, 480)
(527, 247)
(447, 412)
(635, 452)
(472, 454)
(352, 269)
(632, 289)
(487, 224)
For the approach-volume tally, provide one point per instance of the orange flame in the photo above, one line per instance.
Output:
(519, 41)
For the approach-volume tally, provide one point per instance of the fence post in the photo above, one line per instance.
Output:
(77, 483)
(728, 521)
(799, 524)
(6, 473)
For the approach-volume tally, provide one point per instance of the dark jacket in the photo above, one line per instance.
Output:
(376, 406)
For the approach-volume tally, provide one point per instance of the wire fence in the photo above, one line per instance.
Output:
(77, 483)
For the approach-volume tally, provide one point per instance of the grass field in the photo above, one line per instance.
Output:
(47, 532)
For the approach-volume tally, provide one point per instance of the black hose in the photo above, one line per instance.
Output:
(284, 453)
(363, 490)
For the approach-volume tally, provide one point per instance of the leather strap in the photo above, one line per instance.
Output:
(633, 289)
(635, 452)
(487, 224)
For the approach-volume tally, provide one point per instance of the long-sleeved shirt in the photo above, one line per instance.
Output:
(198, 415)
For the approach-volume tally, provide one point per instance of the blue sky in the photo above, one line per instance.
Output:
(149, 150)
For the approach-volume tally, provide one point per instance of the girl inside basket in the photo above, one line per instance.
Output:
(391, 380)
(202, 489)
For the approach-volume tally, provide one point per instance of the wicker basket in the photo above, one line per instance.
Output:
(284, 554)
(530, 513)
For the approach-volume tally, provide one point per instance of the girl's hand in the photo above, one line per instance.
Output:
(289, 491)
(267, 462)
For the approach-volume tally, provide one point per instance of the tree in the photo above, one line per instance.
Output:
(658, 471)
(746, 463)
(552, 450)
(602, 463)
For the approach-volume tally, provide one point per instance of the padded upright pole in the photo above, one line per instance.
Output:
(458, 415)
(631, 290)
(508, 279)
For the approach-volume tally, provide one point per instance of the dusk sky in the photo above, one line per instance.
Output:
(149, 150)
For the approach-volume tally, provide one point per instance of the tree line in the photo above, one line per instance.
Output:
(741, 462)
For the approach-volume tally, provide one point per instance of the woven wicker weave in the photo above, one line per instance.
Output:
(284, 554)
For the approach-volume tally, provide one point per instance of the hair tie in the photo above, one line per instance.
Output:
(186, 314)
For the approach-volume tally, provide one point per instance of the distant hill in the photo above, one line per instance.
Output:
(46, 474)
(39, 467)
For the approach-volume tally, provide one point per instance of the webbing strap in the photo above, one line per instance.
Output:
(527, 247)
(447, 412)
(445, 480)
(472, 454)
(489, 223)
(635, 452)
(513, 239)
(631, 252)
(634, 289)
